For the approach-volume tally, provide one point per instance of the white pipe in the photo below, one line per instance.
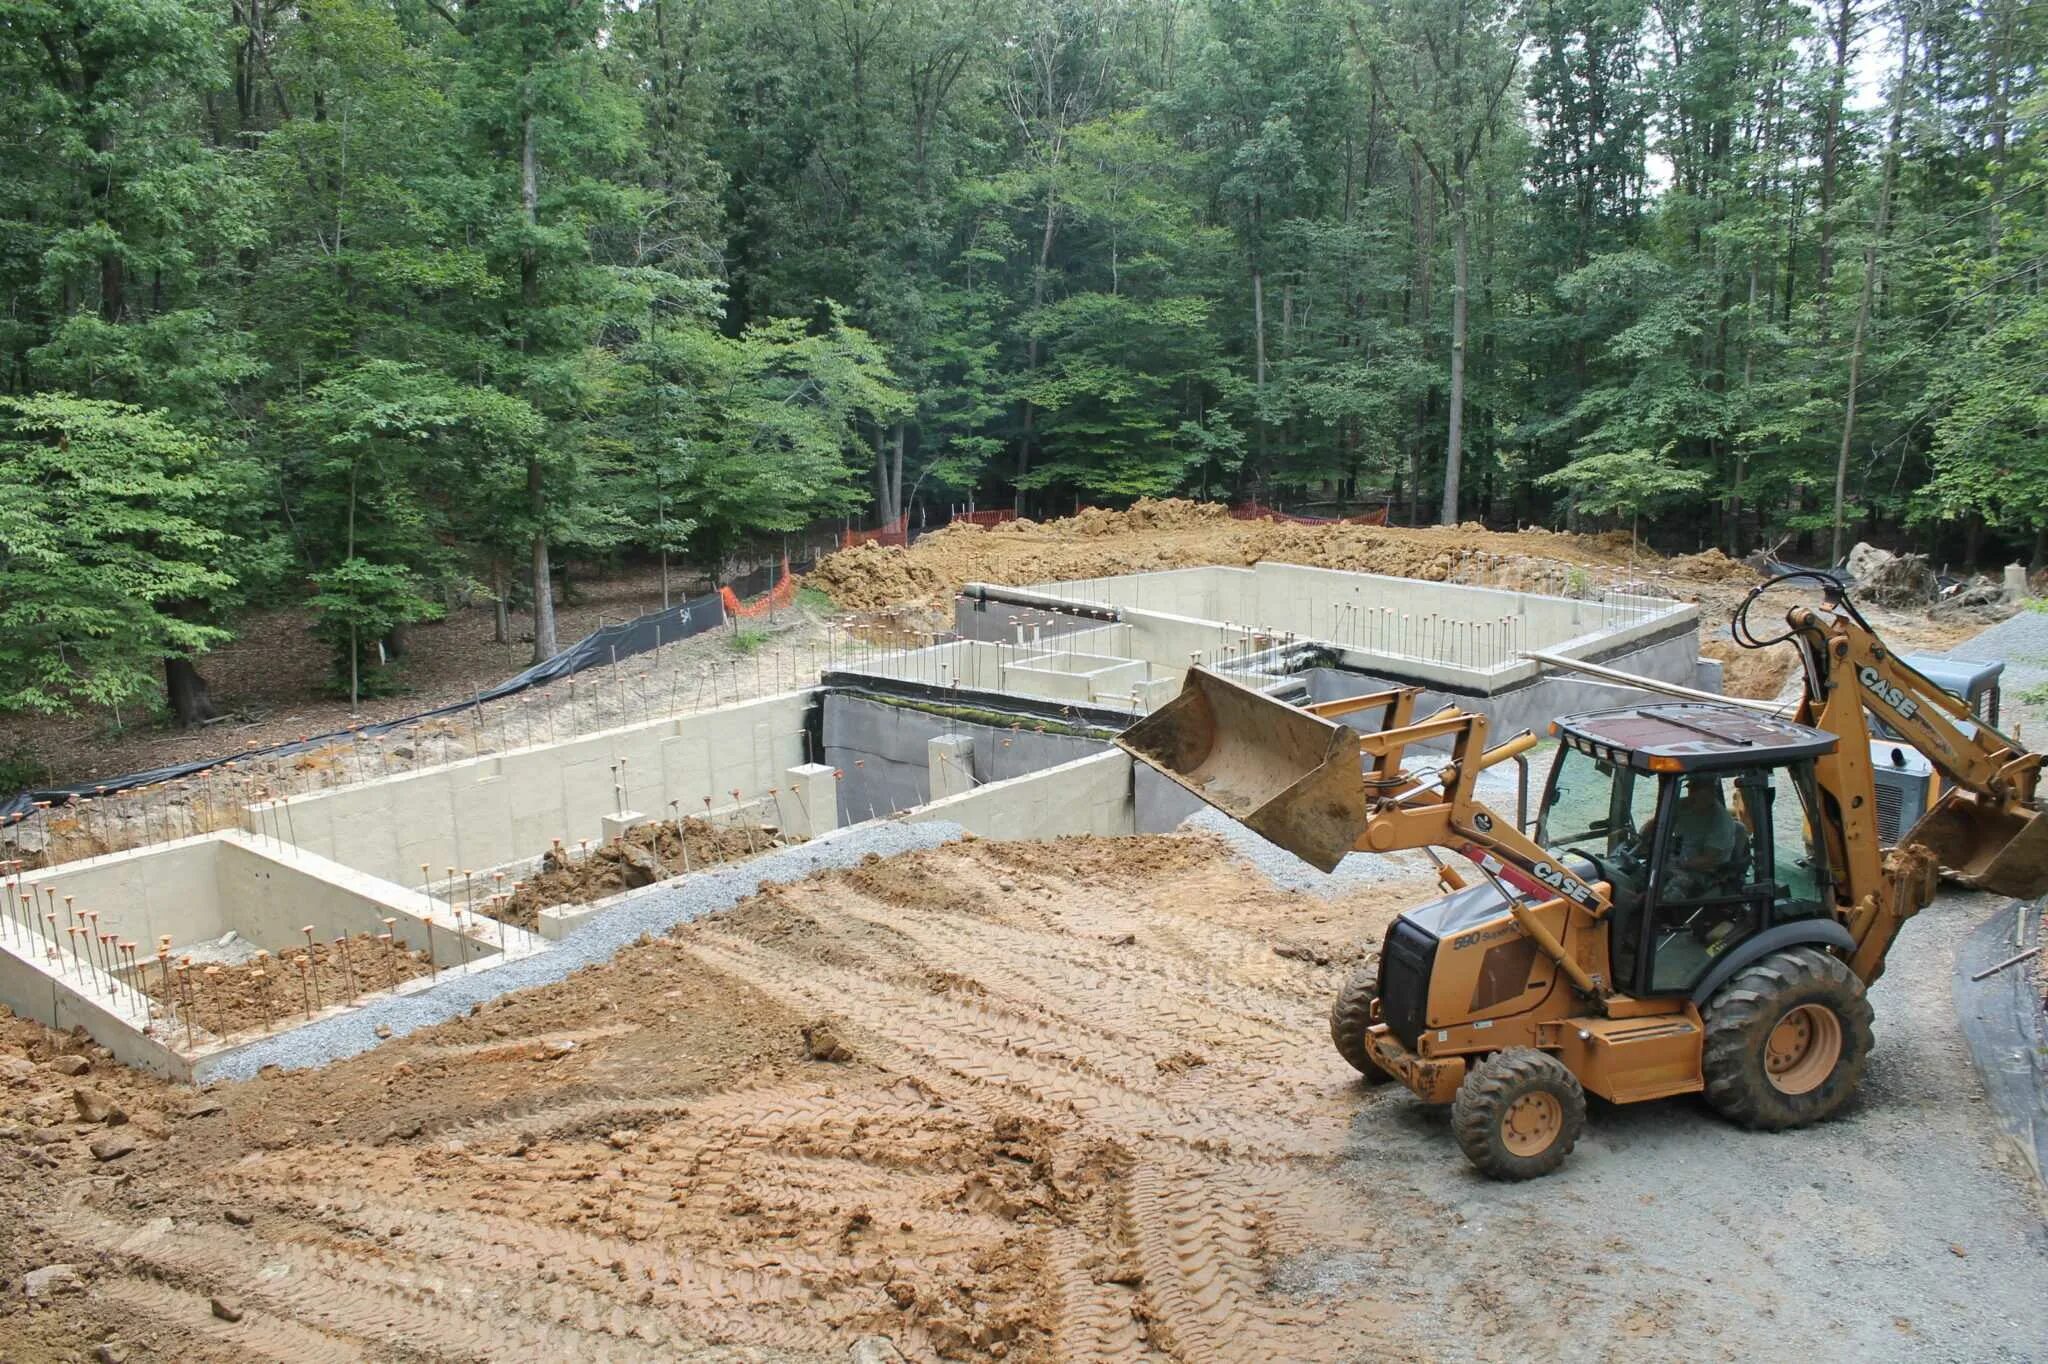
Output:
(1651, 683)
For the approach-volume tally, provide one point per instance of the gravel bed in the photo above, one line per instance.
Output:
(1495, 787)
(656, 912)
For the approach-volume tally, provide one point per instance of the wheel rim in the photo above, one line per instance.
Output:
(1802, 1050)
(1531, 1124)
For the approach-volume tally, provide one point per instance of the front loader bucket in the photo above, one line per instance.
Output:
(1999, 850)
(1291, 777)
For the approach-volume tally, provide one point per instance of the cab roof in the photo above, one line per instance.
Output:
(1691, 736)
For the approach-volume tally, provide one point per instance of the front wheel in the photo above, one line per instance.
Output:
(1787, 1040)
(1350, 1016)
(1519, 1113)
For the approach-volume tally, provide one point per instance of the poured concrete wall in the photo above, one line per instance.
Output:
(198, 889)
(1460, 638)
(883, 756)
(144, 893)
(493, 810)
(1090, 795)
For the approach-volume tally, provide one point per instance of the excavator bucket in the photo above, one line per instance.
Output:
(1292, 777)
(2000, 850)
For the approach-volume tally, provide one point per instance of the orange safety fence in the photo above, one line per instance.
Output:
(777, 598)
(987, 518)
(897, 532)
(1256, 510)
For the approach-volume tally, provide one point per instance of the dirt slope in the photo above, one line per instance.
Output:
(1179, 534)
(1175, 534)
(1088, 1110)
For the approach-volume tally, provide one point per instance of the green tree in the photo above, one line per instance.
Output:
(115, 535)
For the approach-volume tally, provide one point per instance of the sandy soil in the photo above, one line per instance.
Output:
(1175, 534)
(658, 851)
(1087, 1109)
(1081, 1106)
(224, 999)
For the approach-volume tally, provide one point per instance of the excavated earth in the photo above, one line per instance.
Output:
(1084, 1106)
(1041, 1102)
(642, 856)
(1175, 533)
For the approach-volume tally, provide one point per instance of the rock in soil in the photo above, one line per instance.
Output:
(111, 1352)
(112, 1148)
(227, 1307)
(50, 1281)
(821, 1042)
(70, 1065)
(241, 1217)
(94, 1106)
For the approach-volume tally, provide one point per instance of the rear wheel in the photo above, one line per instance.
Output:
(1787, 1040)
(1351, 1015)
(1519, 1113)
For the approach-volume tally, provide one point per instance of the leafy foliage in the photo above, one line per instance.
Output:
(433, 296)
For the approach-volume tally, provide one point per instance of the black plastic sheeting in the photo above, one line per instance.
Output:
(600, 647)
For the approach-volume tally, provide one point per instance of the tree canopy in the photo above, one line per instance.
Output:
(378, 303)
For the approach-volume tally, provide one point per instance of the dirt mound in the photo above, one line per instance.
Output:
(1074, 1107)
(1712, 565)
(1758, 674)
(647, 854)
(1176, 533)
(290, 987)
(870, 576)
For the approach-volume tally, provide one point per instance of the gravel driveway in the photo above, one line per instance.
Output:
(1904, 1230)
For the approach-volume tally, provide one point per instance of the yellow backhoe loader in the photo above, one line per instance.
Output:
(1699, 907)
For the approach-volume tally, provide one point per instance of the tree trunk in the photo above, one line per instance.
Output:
(1454, 447)
(186, 692)
(1841, 28)
(501, 608)
(543, 578)
(1259, 368)
(1884, 206)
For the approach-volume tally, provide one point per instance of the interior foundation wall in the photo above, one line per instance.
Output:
(493, 810)
(1090, 795)
(881, 752)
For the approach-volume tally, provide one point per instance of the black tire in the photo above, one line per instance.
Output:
(1351, 1015)
(1519, 1113)
(1749, 1079)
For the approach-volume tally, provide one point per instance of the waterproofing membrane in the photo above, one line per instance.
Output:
(602, 646)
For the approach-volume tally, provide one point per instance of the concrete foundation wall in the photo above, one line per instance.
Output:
(882, 753)
(1091, 795)
(497, 809)
(143, 893)
(1532, 704)
(112, 1013)
(271, 894)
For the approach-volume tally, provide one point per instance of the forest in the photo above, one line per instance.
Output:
(371, 305)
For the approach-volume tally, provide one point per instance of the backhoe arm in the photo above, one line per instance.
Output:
(1985, 828)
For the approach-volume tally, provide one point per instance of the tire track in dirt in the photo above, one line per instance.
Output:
(605, 1285)
(399, 1308)
(258, 1335)
(1097, 1318)
(1200, 1249)
(1035, 970)
(982, 1046)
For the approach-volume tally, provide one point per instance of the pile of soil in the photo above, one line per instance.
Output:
(1758, 674)
(1176, 533)
(227, 999)
(870, 576)
(1713, 565)
(647, 854)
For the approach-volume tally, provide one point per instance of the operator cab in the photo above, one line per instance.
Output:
(1701, 817)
